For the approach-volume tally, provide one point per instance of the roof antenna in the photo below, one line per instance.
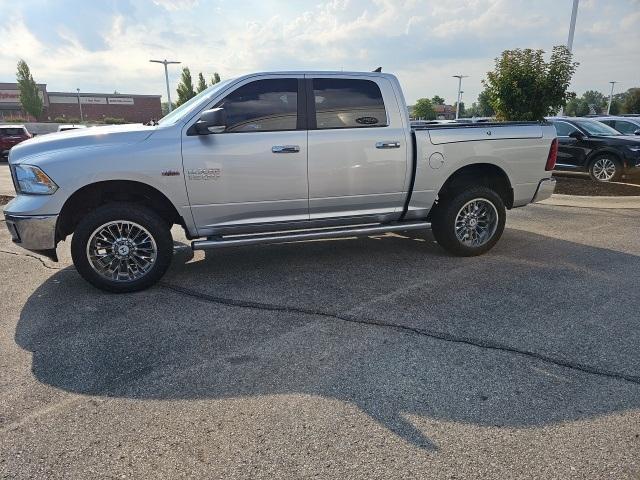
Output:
(378, 70)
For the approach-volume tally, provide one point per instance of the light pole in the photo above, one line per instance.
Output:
(459, 77)
(572, 25)
(166, 62)
(572, 31)
(79, 104)
(610, 97)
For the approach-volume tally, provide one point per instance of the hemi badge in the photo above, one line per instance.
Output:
(170, 173)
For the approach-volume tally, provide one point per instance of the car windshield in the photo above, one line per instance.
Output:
(191, 104)
(593, 127)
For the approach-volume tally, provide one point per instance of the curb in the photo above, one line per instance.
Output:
(579, 201)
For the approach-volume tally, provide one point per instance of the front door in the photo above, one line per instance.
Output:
(357, 149)
(255, 172)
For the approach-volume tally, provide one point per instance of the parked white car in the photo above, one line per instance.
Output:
(266, 158)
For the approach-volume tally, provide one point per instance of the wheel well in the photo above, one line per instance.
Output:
(600, 153)
(484, 174)
(96, 194)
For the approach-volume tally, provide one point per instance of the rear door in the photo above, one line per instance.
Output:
(255, 172)
(357, 148)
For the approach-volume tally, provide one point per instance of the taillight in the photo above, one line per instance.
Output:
(553, 156)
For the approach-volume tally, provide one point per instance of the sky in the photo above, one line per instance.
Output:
(105, 45)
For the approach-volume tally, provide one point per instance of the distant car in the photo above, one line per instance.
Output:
(64, 128)
(587, 145)
(624, 125)
(11, 135)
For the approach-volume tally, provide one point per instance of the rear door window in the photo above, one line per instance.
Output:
(348, 103)
(625, 127)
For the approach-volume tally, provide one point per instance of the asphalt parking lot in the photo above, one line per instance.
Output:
(357, 358)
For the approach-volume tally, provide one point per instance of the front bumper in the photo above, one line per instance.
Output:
(545, 189)
(34, 232)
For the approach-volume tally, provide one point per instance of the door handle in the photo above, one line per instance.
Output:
(285, 149)
(394, 144)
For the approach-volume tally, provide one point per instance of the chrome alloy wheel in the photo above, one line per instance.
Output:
(476, 222)
(121, 251)
(604, 169)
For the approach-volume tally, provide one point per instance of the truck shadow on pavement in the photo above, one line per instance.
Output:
(540, 331)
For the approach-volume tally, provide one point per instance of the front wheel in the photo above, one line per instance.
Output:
(470, 222)
(122, 247)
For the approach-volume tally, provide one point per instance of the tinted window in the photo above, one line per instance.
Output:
(564, 129)
(596, 128)
(263, 105)
(342, 103)
(625, 127)
(11, 131)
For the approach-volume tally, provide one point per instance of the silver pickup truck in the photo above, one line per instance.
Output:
(267, 158)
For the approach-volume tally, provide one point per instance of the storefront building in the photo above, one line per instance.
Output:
(72, 106)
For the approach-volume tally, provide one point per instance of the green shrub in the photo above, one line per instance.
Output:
(114, 121)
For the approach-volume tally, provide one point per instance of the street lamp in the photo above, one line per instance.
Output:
(79, 104)
(572, 31)
(166, 62)
(459, 77)
(610, 97)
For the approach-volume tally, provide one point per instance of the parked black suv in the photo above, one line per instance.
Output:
(587, 145)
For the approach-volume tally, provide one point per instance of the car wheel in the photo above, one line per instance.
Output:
(122, 247)
(605, 168)
(470, 222)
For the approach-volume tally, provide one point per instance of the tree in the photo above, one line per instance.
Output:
(632, 101)
(29, 93)
(596, 101)
(484, 105)
(437, 100)
(215, 79)
(424, 109)
(202, 83)
(525, 87)
(462, 111)
(185, 88)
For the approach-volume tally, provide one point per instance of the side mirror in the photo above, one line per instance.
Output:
(578, 135)
(210, 121)
(637, 132)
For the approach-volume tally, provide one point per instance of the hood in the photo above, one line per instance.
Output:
(85, 137)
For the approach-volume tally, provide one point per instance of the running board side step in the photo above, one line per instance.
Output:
(282, 237)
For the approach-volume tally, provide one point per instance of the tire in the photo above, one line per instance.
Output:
(459, 210)
(605, 168)
(128, 238)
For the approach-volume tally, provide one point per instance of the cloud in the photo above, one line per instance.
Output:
(423, 42)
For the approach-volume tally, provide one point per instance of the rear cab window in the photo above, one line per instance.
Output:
(12, 131)
(348, 103)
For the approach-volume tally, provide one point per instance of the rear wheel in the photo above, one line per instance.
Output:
(122, 247)
(605, 168)
(469, 222)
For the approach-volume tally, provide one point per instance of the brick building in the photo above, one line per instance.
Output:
(95, 106)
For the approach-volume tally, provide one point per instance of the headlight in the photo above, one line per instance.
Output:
(32, 180)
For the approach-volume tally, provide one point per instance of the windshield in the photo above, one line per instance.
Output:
(191, 104)
(596, 128)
